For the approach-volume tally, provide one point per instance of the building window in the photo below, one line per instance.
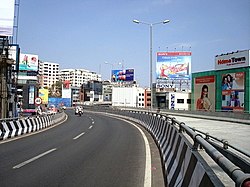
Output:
(188, 101)
(180, 100)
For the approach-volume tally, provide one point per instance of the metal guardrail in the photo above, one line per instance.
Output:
(229, 167)
(235, 172)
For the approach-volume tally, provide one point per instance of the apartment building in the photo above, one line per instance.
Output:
(77, 77)
(48, 74)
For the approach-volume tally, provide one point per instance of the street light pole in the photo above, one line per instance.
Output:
(151, 53)
(112, 65)
(151, 66)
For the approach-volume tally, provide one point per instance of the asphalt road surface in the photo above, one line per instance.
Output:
(91, 150)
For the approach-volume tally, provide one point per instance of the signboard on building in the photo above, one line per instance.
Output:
(173, 65)
(7, 10)
(126, 75)
(14, 54)
(31, 95)
(28, 62)
(233, 93)
(204, 93)
(232, 60)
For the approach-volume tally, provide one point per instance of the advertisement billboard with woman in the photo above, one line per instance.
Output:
(232, 86)
(204, 94)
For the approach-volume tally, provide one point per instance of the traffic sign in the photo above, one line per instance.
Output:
(38, 100)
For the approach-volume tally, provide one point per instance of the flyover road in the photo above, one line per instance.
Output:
(237, 134)
(91, 150)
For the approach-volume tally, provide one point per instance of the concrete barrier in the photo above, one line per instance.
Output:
(19, 126)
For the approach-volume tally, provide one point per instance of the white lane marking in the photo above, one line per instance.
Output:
(147, 177)
(90, 127)
(93, 122)
(33, 159)
(79, 136)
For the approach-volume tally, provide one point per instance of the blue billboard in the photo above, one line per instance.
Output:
(126, 75)
(59, 102)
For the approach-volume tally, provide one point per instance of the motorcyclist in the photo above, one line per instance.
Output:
(79, 110)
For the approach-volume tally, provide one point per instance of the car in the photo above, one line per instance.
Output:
(52, 110)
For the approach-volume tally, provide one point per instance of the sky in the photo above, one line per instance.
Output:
(84, 34)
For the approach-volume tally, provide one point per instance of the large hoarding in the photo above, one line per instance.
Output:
(59, 102)
(173, 65)
(204, 93)
(14, 54)
(126, 75)
(232, 60)
(31, 95)
(28, 62)
(7, 10)
(232, 86)
(44, 95)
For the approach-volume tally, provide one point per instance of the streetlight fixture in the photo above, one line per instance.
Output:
(122, 64)
(109, 64)
(151, 46)
(112, 65)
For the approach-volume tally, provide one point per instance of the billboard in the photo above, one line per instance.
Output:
(14, 54)
(204, 93)
(44, 95)
(232, 86)
(173, 65)
(7, 11)
(31, 95)
(232, 60)
(122, 75)
(59, 102)
(28, 62)
(66, 93)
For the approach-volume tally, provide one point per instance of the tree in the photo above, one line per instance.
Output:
(56, 89)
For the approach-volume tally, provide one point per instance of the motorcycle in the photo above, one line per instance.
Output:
(80, 113)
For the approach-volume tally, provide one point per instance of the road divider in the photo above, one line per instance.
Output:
(20, 126)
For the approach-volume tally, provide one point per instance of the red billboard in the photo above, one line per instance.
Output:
(204, 93)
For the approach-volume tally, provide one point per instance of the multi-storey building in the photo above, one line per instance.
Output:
(107, 91)
(77, 77)
(129, 96)
(147, 99)
(49, 74)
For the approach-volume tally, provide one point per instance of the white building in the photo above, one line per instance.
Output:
(77, 77)
(48, 73)
(128, 96)
(178, 100)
